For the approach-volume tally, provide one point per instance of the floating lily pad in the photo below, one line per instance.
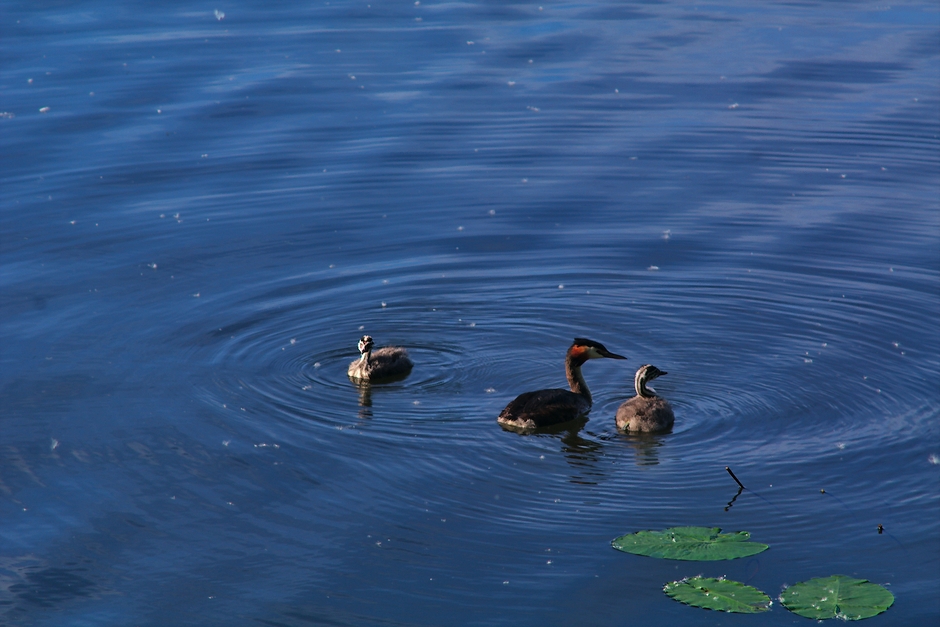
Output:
(718, 594)
(703, 544)
(837, 596)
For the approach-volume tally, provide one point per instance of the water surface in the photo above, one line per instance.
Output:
(205, 207)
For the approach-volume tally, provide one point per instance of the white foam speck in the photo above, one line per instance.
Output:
(219, 15)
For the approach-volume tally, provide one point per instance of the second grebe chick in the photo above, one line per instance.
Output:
(645, 411)
(544, 408)
(381, 364)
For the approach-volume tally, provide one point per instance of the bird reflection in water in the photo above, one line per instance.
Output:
(583, 454)
(365, 399)
(646, 447)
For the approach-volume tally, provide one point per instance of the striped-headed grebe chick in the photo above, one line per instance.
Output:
(544, 408)
(382, 364)
(645, 412)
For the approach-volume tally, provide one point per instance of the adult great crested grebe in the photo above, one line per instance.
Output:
(544, 408)
(386, 363)
(645, 412)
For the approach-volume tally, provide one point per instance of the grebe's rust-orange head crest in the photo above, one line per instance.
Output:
(583, 349)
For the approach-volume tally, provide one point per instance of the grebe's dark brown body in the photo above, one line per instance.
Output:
(383, 364)
(645, 412)
(544, 408)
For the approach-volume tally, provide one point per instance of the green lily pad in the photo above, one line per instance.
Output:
(718, 594)
(837, 596)
(704, 544)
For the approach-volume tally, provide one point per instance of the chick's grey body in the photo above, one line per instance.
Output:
(544, 408)
(388, 362)
(646, 411)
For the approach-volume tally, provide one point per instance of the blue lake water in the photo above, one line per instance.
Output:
(204, 207)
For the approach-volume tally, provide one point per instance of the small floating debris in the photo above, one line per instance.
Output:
(653, 268)
(219, 15)
(44, 109)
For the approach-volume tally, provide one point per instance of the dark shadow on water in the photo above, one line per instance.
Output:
(44, 587)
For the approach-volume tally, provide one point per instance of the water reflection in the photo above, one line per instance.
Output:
(582, 454)
(646, 446)
(364, 388)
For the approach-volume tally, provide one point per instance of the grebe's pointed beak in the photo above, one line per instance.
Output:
(607, 353)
